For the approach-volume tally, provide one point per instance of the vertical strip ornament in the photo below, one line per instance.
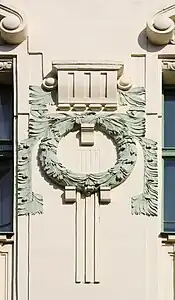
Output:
(96, 239)
(87, 227)
(28, 201)
(146, 203)
(80, 239)
(89, 239)
(87, 248)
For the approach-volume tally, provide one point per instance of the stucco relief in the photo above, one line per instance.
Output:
(123, 128)
(160, 29)
(13, 28)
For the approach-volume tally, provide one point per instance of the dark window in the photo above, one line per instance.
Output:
(6, 159)
(169, 160)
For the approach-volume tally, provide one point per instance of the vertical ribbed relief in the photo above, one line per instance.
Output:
(87, 226)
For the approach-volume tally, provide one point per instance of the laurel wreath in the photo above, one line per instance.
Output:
(113, 126)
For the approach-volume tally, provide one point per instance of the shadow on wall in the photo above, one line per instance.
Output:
(146, 45)
(7, 48)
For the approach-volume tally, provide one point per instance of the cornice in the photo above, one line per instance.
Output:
(91, 66)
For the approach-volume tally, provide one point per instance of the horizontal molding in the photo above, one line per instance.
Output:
(168, 152)
(77, 65)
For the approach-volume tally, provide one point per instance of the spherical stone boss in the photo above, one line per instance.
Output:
(11, 22)
(50, 81)
(162, 23)
(124, 83)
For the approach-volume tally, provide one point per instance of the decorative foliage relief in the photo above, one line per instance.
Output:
(123, 129)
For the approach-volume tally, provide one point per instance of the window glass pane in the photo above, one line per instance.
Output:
(6, 195)
(169, 194)
(169, 118)
(6, 112)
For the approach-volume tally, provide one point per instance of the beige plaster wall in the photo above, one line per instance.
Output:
(133, 264)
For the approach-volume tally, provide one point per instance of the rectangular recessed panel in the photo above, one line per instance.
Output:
(79, 86)
(103, 85)
(96, 82)
(169, 118)
(71, 85)
(87, 85)
(169, 195)
(112, 86)
(63, 87)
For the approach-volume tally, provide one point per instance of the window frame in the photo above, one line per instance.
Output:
(9, 76)
(7, 155)
(167, 152)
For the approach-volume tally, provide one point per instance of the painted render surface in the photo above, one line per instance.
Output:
(86, 245)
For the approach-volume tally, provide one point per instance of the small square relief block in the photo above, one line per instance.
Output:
(70, 194)
(105, 195)
(87, 134)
